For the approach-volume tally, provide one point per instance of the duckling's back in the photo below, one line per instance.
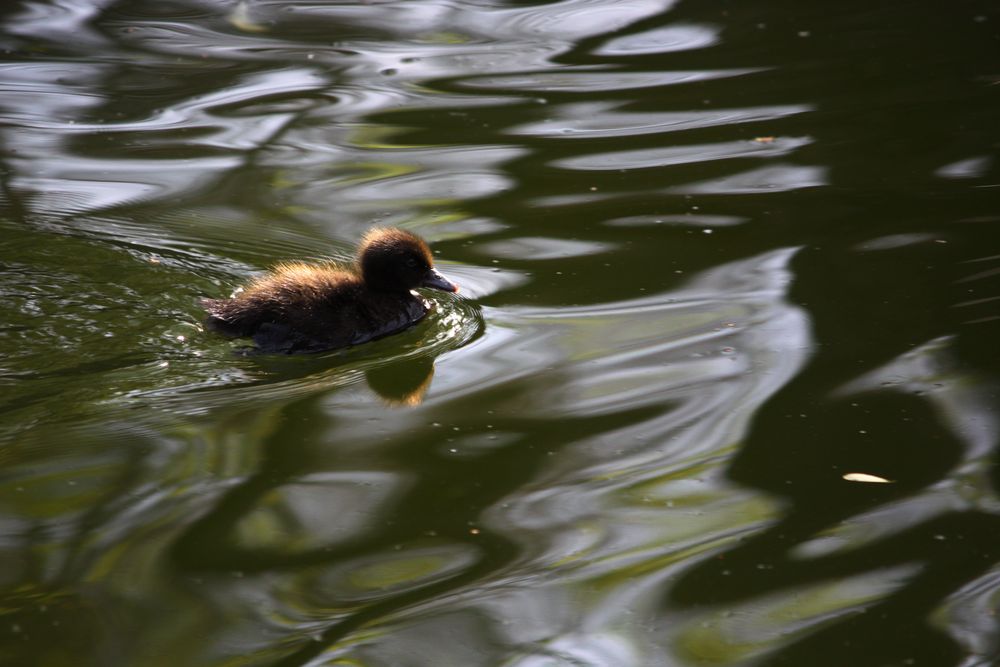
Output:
(306, 308)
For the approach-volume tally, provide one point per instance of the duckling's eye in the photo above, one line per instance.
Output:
(412, 263)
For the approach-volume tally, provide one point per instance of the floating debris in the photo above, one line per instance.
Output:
(866, 478)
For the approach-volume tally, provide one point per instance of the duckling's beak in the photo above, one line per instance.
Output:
(437, 281)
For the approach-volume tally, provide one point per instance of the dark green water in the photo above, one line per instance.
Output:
(715, 257)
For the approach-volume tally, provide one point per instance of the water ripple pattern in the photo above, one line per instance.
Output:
(719, 387)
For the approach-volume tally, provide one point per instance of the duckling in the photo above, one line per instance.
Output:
(301, 307)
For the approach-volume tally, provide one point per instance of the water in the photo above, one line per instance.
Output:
(717, 261)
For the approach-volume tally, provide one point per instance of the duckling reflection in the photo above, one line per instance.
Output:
(302, 307)
(398, 382)
(402, 384)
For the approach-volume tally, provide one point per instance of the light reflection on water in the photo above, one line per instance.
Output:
(690, 304)
(604, 119)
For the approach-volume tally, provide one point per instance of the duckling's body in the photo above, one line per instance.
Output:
(313, 307)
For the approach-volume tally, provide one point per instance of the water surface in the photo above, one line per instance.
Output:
(720, 387)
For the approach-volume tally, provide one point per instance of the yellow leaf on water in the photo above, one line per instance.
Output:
(866, 478)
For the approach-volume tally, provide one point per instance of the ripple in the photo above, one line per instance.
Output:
(675, 155)
(760, 621)
(40, 92)
(676, 37)
(537, 248)
(384, 575)
(195, 240)
(603, 119)
(762, 180)
(637, 484)
(594, 364)
(360, 181)
(67, 25)
(193, 148)
(599, 78)
(470, 37)
(429, 188)
(970, 613)
(567, 21)
(476, 282)
(362, 496)
(192, 39)
(688, 219)
(571, 20)
(974, 167)
(777, 178)
(262, 379)
(579, 439)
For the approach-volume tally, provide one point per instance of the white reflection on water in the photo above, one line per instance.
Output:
(674, 155)
(743, 632)
(68, 22)
(401, 40)
(974, 167)
(677, 37)
(372, 578)
(54, 106)
(298, 513)
(759, 180)
(605, 119)
(601, 78)
(541, 248)
(970, 617)
(688, 220)
(568, 20)
(773, 178)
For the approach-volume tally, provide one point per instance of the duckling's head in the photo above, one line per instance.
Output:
(395, 260)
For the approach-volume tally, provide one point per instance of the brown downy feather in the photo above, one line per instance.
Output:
(310, 307)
